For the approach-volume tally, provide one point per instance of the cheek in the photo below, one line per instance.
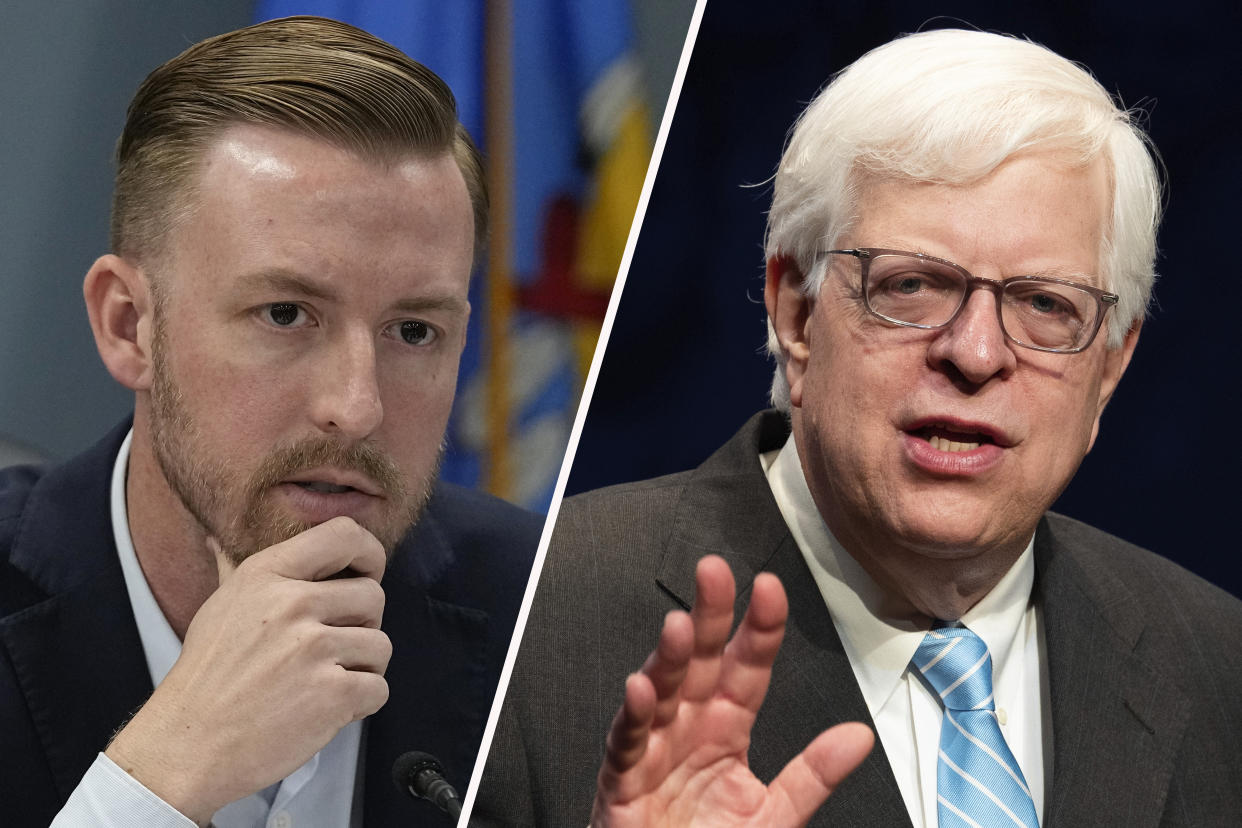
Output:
(1071, 414)
(850, 385)
(239, 399)
(417, 403)
(1061, 416)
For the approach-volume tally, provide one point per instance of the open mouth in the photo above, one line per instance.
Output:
(944, 438)
(324, 488)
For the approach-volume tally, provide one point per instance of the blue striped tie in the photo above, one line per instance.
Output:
(978, 782)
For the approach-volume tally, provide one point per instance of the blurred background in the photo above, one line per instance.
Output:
(685, 365)
(563, 96)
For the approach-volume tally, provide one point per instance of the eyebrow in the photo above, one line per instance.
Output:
(1067, 274)
(285, 281)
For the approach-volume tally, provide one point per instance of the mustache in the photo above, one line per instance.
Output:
(365, 458)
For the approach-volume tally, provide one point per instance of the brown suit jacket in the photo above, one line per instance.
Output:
(1144, 659)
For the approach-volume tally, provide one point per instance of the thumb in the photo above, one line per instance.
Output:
(812, 775)
(224, 564)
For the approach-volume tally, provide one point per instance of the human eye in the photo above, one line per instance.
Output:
(907, 283)
(284, 315)
(1047, 300)
(414, 332)
(1048, 304)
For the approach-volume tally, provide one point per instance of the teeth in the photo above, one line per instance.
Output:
(942, 444)
(328, 488)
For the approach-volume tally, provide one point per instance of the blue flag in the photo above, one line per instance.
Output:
(568, 161)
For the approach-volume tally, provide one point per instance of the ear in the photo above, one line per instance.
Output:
(1116, 360)
(789, 310)
(118, 301)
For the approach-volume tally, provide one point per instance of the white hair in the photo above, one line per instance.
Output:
(950, 106)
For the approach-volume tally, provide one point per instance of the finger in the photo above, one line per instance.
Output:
(368, 691)
(345, 602)
(356, 648)
(324, 550)
(713, 618)
(747, 665)
(812, 775)
(627, 738)
(666, 666)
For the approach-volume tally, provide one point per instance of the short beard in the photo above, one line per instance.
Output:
(248, 521)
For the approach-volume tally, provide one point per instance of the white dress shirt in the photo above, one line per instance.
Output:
(906, 713)
(319, 794)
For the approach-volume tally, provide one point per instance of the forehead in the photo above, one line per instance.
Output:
(269, 198)
(1034, 213)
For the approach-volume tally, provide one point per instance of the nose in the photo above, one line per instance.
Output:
(973, 349)
(346, 400)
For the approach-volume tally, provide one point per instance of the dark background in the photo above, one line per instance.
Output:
(685, 364)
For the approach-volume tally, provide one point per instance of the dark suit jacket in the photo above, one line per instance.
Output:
(1144, 659)
(72, 668)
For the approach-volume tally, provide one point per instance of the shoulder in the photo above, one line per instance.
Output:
(642, 513)
(472, 550)
(728, 491)
(488, 537)
(467, 514)
(1153, 607)
(16, 484)
(1110, 563)
(55, 526)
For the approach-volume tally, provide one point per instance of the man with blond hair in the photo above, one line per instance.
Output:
(959, 258)
(241, 607)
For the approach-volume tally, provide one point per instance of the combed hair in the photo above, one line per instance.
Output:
(950, 106)
(317, 77)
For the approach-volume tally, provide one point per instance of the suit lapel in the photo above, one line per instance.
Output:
(728, 509)
(1117, 719)
(76, 654)
(431, 633)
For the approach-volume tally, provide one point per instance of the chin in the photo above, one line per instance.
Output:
(965, 546)
(948, 534)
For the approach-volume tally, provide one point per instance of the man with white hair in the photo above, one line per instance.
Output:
(959, 257)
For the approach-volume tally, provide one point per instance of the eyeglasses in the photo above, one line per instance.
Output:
(1037, 312)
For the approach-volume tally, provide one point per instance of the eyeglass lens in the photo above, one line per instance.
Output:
(925, 293)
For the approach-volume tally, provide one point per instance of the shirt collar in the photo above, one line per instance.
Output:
(880, 647)
(160, 644)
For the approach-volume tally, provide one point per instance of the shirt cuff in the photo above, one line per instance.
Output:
(108, 796)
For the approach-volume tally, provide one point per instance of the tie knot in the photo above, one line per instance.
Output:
(956, 663)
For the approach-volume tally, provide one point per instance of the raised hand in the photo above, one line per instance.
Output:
(277, 660)
(676, 751)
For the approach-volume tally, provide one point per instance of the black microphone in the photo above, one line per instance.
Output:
(422, 776)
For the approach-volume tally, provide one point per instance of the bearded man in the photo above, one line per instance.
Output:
(296, 215)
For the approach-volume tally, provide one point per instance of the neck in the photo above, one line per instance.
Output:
(170, 544)
(925, 585)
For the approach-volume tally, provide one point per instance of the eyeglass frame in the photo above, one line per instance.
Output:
(1103, 299)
